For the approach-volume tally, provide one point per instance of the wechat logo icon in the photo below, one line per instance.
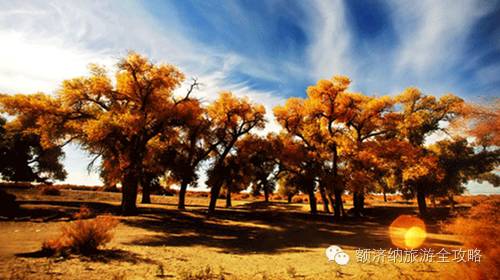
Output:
(335, 253)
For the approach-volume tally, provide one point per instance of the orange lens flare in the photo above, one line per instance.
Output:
(407, 232)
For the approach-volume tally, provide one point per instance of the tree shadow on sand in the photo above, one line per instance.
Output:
(244, 231)
(103, 256)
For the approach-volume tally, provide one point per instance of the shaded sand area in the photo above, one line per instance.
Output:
(253, 240)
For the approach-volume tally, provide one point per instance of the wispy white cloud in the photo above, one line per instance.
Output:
(329, 53)
(30, 65)
(430, 40)
(433, 33)
(47, 41)
(44, 43)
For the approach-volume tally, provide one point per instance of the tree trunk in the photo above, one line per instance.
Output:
(146, 189)
(342, 210)
(266, 194)
(355, 203)
(182, 196)
(312, 202)
(322, 192)
(452, 202)
(129, 194)
(331, 200)
(385, 196)
(358, 203)
(146, 194)
(214, 194)
(362, 202)
(219, 168)
(289, 196)
(422, 206)
(228, 198)
(338, 207)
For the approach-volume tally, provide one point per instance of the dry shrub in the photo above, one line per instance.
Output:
(297, 199)
(84, 213)
(165, 191)
(207, 273)
(470, 199)
(197, 194)
(291, 271)
(109, 188)
(82, 236)
(50, 190)
(244, 196)
(277, 197)
(370, 196)
(256, 196)
(478, 229)
(446, 201)
(78, 187)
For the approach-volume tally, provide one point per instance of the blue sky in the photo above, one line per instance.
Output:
(267, 50)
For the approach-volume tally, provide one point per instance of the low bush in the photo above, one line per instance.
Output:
(168, 191)
(109, 188)
(197, 194)
(277, 197)
(297, 199)
(203, 194)
(84, 213)
(50, 190)
(445, 202)
(78, 187)
(82, 236)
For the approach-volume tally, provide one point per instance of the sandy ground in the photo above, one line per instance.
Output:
(253, 240)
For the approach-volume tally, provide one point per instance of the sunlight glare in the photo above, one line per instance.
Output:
(407, 232)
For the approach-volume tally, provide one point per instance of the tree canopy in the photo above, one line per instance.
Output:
(332, 141)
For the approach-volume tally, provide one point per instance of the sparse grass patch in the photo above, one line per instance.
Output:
(119, 276)
(291, 271)
(206, 273)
